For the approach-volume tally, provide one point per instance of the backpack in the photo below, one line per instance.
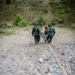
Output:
(52, 31)
(36, 31)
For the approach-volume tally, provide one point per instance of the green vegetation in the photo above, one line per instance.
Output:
(60, 21)
(57, 21)
(22, 23)
(73, 26)
(64, 8)
(41, 21)
(4, 32)
(6, 25)
(38, 6)
(3, 25)
(22, 13)
(33, 22)
(53, 23)
(18, 19)
(31, 9)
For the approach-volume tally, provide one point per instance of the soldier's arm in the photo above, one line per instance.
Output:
(54, 31)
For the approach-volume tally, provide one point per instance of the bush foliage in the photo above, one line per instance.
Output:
(3, 25)
(53, 23)
(22, 23)
(41, 21)
(18, 19)
(6, 24)
(33, 22)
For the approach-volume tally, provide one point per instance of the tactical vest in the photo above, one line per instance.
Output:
(36, 31)
(52, 31)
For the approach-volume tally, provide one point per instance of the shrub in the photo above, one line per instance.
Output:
(53, 23)
(67, 10)
(41, 21)
(2, 32)
(60, 20)
(59, 6)
(3, 25)
(45, 10)
(73, 26)
(9, 25)
(22, 23)
(61, 25)
(6, 25)
(62, 12)
(56, 19)
(33, 22)
(18, 19)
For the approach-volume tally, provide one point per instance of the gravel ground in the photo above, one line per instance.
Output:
(20, 56)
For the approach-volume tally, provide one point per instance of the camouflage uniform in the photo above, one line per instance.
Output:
(51, 33)
(36, 33)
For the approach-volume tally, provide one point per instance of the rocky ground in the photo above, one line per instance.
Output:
(20, 56)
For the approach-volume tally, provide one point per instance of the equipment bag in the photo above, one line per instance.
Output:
(36, 31)
(52, 31)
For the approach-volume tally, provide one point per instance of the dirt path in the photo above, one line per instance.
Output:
(20, 56)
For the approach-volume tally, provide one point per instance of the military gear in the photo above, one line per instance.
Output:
(51, 33)
(36, 39)
(36, 33)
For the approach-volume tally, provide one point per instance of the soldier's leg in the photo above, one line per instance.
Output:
(51, 38)
(35, 39)
(38, 38)
(48, 38)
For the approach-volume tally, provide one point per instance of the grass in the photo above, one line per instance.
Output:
(73, 30)
(4, 31)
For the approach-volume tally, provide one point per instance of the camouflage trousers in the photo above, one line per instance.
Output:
(48, 39)
(36, 39)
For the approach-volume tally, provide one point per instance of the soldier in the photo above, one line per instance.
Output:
(46, 34)
(36, 33)
(51, 33)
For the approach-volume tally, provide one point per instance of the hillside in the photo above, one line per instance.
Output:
(31, 9)
(19, 55)
(28, 9)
